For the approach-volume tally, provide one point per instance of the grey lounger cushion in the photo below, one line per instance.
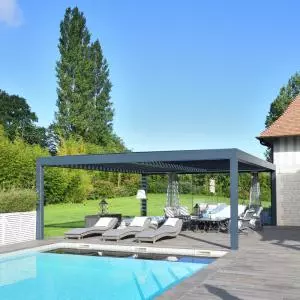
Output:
(94, 230)
(163, 231)
(117, 234)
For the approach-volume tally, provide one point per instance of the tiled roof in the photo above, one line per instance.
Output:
(288, 124)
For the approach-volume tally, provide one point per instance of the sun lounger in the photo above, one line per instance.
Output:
(102, 225)
(138, 224)
(171, 228)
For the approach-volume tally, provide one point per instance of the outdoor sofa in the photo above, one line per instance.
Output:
(102, 225)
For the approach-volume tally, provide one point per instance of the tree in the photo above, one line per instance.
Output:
(84, 106)
(36, 135)
(102, 112)
(286, 95)
(74, 75)
(18, 120)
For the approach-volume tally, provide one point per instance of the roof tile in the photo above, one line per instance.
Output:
(288, 124)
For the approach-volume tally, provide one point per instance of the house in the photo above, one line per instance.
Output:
(283, 137)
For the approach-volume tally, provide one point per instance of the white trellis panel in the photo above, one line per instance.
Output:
(17, 227)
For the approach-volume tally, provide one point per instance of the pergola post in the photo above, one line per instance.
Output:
(273, 198)
(234, 176)
(40, 202)
(143, 186)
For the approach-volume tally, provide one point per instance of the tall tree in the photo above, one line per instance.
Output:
(102, 112)
(84, 106)
(18, 120)
(74, 75)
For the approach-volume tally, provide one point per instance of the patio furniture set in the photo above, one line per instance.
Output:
(216, 217)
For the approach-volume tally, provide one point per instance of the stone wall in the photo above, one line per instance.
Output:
(288, 199)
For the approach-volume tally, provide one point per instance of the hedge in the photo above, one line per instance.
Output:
(18, 161)
(17, 200)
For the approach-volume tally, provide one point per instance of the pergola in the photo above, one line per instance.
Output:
(230, 161)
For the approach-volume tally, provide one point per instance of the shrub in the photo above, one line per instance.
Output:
(17, 200)
(131, 186)
(102, 188)
(265, 195)
(198, 190)
(157, 187)
(185, 187)
(121, 191)
(17, 162)
(56, 183)
(75, 191)
(265, 189)
(65, 185)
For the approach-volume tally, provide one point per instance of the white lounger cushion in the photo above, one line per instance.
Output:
(171, 222)
(103, 222)
(138, 221)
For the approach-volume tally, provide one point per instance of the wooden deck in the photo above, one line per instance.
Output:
(267, 266)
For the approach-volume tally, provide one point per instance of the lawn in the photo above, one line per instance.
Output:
(61, 217)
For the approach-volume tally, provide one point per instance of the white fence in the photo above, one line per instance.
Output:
(17, 227)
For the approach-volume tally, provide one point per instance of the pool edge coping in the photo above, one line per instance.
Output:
(121, 248)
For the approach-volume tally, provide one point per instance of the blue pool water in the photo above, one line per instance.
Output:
(48, 276)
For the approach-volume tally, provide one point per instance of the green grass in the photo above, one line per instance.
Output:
(61, 217)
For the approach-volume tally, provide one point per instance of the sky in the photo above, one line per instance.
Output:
(186, 74)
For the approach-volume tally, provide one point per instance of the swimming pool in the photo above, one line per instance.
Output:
(52, 276)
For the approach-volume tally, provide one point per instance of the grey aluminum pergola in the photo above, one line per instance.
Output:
(230, 161)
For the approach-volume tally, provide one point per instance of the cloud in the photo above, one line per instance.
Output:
(10, 13)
